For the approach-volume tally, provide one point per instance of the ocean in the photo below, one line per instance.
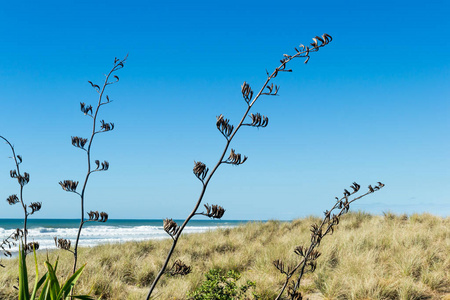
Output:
(95, 233)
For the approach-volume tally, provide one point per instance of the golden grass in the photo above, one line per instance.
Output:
(368, 257)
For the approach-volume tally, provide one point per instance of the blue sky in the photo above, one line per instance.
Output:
(371, 106)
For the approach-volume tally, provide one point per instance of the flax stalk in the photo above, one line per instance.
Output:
(280, 68)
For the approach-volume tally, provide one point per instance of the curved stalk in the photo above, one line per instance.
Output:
(25, 232)
(250, 103)
(118, 64)
(317, 235)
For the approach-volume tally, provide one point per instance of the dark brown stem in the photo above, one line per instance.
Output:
(117, 65)
(25, 232)
(220, 161)
(286, 282)
(315, 243)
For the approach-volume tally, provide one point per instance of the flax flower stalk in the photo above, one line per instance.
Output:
(229, 131)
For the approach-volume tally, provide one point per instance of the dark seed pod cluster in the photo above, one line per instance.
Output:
(300, 250)
(13, 199)
(69, 185)
(214, 211)
(375, 188)
(104, 165)
(273, 90)
(23, 180)
(355, 187)
(95, 86)
(200, 170)
(11, 241)
(106, 126)
(293, 293)
(179, 268)
(303, 51)
(79, 142)
(35, 206)
(313, 255)
(87, 110)
(96, 216)
(30, 246)
(324, 40)
(316, 234)
(171, 227)
(281, 266)
(224, 126)
(62, 243)
(235, 158)
(247, 92)
(258, 120)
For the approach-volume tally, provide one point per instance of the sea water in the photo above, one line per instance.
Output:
(43, 231)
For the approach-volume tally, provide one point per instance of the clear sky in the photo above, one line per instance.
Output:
(373, 105)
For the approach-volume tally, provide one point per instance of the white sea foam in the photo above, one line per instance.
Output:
(101, 234)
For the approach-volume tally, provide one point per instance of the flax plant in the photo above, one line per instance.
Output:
(86, 145)
(52, 289)
(229, 131)
(309, 255)
(28, 210)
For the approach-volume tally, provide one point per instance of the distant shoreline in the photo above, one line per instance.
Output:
(113, 231)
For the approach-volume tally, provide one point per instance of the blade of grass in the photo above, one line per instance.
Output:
(54, 284)
(24, 293)
(68, 285)
(45, 289)
(37, 282)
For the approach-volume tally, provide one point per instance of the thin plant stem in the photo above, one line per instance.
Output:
(118, 64)
(25, 232)
(317, 235)
(281, 68)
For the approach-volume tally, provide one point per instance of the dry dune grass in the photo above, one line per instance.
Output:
(368, 257)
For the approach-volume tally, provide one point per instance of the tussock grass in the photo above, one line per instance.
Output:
(368, 257)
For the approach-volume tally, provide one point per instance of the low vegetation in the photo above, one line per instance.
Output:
(367, 257)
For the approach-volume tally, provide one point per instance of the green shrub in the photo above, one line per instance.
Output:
(222, 286)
